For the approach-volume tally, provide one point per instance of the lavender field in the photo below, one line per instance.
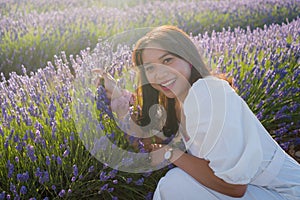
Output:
(49, 49)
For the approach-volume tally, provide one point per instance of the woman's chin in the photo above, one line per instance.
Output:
(169, 94)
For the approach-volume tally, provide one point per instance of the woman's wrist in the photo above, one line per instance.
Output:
(176, 153)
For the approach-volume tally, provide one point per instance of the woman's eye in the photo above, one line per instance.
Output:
(149, 68)
(167, 60)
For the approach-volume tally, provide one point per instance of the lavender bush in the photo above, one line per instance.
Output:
(42, 156)
(33, 32)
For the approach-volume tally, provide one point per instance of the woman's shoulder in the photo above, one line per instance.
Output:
(210, 82)
(203, 89)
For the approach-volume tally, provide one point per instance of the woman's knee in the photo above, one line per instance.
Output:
(177, 184)
(175, 180)
(172, 177)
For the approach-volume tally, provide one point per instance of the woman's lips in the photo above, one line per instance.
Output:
(167, 85)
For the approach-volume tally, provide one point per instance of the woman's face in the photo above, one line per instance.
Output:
(167, 73)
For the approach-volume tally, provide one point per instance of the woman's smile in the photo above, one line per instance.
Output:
(167, 85)
(166, 72)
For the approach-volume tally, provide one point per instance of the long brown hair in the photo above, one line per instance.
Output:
(176, 42)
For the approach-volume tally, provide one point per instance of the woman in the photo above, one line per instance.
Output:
(229, 153)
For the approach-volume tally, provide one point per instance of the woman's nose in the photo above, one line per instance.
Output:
(161, 72)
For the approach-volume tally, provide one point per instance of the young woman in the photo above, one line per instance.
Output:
(229, 153)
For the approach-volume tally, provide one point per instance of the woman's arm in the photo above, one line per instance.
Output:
(120, 100)
(197, 168)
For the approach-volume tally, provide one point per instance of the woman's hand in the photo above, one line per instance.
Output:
(157, 154)
(110, 84)
(151, 143)
(120, 99)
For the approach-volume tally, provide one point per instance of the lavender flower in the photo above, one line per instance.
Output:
(43, 176)
(66, 153)
(103, 176)
(2, 195)
(72, 136)
(128, 180)
(58, 160)
(24, 177)
(13, 188)
(149, 196)
(30, 153)
(91, 169)
(10, 168)
(62, 193)
(75, 170)
(23, 190)
(1, 131)
(104, 187)
(113, 173)
(139, 181)
(48, 160)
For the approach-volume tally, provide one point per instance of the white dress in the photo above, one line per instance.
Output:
(223, 130)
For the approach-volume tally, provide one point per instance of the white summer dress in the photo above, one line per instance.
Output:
(224, 131)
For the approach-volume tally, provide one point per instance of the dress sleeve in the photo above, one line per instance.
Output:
(223, 130)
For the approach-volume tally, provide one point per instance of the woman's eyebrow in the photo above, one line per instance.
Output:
(161, 57)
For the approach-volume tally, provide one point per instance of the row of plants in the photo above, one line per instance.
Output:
(58, 136)
(17, 8)
(33, 32)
